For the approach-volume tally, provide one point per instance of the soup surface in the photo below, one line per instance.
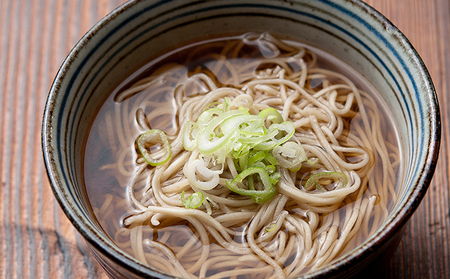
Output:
(242, 156)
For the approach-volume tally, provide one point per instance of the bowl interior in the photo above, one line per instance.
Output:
(137, 31)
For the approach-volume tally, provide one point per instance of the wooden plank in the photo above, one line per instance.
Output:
(424, 250)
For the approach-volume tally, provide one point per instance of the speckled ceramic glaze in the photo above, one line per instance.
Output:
(138, 30)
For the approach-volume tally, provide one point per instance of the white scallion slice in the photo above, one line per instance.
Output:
(290, 155)
(208, 142)
(314, 181)
(189, 136)
(193, 201)
(284, 131)
(201, 176)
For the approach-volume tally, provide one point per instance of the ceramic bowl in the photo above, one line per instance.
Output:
(131, 34)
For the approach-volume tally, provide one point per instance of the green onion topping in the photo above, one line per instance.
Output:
(154, 147)
(315, 180)
(256, 143)
(193, 201)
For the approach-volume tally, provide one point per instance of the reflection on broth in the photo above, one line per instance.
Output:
(245, 156)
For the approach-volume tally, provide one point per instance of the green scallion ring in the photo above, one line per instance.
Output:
(151, 138)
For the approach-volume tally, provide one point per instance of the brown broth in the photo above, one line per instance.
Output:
(106, 148)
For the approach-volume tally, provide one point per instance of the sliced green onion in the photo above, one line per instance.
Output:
(270, 169)
(275, 177)
(228, 130)
(193, 201)
(189, 136)
(253, 129)
(207, 143)
(234, 185)
(314, 180)
(208, 207)
(210, 177)
(312, 161)
(240, 150)
(233, 123)
(287, 128)
(148, 140)
(265, 198)
(261, 199)
(208, 115)
(270, 116)
(238, 164)
(256, 157)
(213, 105)
(226, 102)
(269, 158)
(320, 188)
(290, 155)
(270, 227)
(256, 140)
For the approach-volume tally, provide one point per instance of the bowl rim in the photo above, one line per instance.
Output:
(397, 222)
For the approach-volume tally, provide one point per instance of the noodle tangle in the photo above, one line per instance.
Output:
(302, 227)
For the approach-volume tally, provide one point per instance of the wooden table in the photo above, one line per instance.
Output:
(37, 240)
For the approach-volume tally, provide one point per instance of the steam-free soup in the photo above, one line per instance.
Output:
(242, 156)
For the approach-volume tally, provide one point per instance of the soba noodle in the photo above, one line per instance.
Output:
(300, 227)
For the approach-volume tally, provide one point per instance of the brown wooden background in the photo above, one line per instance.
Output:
(37, 240)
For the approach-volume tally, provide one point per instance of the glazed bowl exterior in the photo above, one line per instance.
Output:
(138, 30)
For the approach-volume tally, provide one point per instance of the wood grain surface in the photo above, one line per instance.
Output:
(37, 240)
